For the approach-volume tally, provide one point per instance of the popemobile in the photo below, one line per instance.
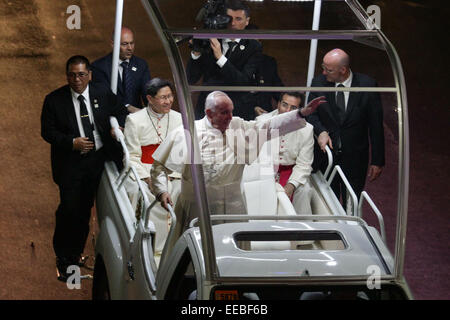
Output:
(270, 251)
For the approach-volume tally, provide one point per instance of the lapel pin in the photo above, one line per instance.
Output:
(95, 103)
(242, 47)
(134, 68)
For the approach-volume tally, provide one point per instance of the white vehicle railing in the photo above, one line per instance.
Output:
(330, 161)
(243, 217)
(354, 198)
(365, 195)
(171, 230)
(128, 169)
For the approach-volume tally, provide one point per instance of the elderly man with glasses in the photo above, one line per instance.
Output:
(226, 145)
(350, 123)
(144, 132)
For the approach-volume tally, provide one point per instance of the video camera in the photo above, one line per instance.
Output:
(214, 16)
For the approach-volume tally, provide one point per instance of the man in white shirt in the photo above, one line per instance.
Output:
(144, 131)
(226, 147)
(295, 155)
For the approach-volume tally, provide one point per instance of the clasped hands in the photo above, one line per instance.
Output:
(83, 144)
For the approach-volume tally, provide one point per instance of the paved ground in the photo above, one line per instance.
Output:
(34, 45)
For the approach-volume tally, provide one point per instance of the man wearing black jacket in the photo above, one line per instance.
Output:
(349, 122)
(229, 62)
(134, 73)
(75, 121)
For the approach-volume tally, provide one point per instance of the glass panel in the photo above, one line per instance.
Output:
(292, 58)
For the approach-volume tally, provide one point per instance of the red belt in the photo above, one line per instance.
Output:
(284, 172)
(147, 152)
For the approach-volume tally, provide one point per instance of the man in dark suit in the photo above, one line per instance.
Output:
(133, 73)
(228, 62)
(75, 121)
(348, 122)
(267, 76)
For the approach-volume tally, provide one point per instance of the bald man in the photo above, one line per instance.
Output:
(349, 123)
(133, 73)
(226, 147)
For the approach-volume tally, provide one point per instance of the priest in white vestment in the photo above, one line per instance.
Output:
(144, 131)
(293, 165)
(227, 144)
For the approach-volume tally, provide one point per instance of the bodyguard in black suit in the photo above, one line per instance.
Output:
(230, 62)
(133, 73)
(348, 122)
(75, 121)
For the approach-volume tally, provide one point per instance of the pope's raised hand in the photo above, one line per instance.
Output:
(312, 106)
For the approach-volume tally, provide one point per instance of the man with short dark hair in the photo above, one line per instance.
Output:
(348, 122)
(144, 132)
(228, 62)
(133, 73)
(75, 121)
(295, 155)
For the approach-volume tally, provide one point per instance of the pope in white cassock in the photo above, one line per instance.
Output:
(144, 131)
(226, 147)
(294, 157)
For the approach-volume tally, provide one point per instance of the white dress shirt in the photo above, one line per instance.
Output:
(87, 101)
(225, 47)
(347, 83)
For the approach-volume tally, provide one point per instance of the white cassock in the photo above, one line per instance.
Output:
(144, 131)
(295, 157)
(224, 156)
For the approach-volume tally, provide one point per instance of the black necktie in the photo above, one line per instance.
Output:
(87, 125)
(231, 45)
(126, 82)
(340, 102)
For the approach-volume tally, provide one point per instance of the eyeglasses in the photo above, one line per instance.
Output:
(124, 44)
(162, 98)
(326, 69)
(287, 105)
(80, 75)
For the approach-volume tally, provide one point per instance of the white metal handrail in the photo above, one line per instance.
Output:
(171, 232)
(337, 169)
(127, 169)
(330, 161)
(241, 217)
(121, 138)
(365, 196)
(199, 88)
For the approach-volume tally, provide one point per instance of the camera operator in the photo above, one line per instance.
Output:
(228, 62)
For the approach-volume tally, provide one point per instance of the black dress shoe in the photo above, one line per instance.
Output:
(62, 263)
